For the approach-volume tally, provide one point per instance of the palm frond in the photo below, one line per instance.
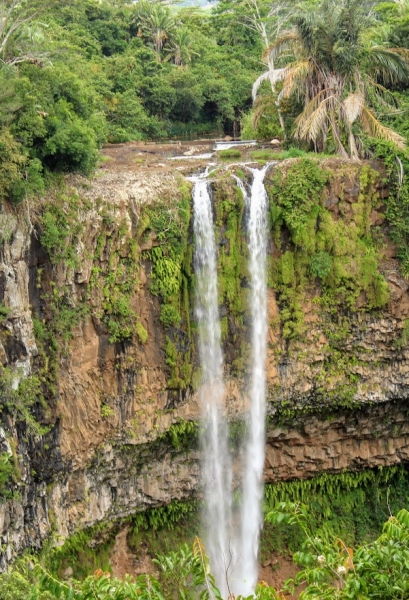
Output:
(305, 28)
(294, 77)
(372, 126)
(313, 104)
(390, 64)
(384, 96)
(311, 128)
(282, 44)
(352, 107)
(273, 76)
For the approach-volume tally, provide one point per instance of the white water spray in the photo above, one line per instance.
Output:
(246, 571)
(233, 553)
(215, 463)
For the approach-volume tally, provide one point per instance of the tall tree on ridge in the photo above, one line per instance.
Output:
(156, 24)
(18, 36)
(339, 79)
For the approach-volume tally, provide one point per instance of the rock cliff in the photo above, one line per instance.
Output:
(97, 342)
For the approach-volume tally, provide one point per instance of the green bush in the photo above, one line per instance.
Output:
(169, 315)
(321, 264)
(12, 161)
(332, 570)
(297, 192)
(71, 145)
(229, 153)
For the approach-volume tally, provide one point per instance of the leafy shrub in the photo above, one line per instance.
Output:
(169, 315)
(127, 118)
(294, 153)
(268, 124)
(297, 190)
(71, 147)
(331, 569)
(321, 264)
(12, 160)
(229, 153)
(247, 130)
(32, 183)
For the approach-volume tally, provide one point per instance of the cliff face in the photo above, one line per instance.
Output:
(97, 344)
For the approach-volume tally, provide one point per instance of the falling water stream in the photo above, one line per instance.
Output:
(251, 512)
(216, 463)
(232, 546)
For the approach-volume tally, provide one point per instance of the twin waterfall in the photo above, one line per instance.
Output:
(231, 533)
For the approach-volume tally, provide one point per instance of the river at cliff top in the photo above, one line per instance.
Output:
(190, 156)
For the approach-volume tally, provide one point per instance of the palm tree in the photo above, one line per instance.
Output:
(338, 80)
(180, 48)
(156, 24)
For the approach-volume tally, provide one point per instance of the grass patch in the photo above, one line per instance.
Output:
(264, 155)
(230, 153)
(269, 154)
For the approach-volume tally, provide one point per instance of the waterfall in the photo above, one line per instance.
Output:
(214, 438)
(232, 547)
(251, 512)
(246, 538)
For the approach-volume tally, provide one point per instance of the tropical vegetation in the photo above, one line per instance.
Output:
(330, 570)
(339, 71)
(75, 75)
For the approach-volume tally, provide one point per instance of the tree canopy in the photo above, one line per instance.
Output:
(73, 75)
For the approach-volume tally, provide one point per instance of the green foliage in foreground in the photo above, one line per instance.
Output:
(351, 506)
(330, 570)
(184, 574)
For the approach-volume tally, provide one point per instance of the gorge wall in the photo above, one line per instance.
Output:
(97, 340)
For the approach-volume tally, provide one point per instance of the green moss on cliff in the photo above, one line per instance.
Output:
(396, 182)
(232, 271)
(167, 223)
(232, 258)
(330, 255)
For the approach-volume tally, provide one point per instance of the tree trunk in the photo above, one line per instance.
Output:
(352, 146)
(337, 138)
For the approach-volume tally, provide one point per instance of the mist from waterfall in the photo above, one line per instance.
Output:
(216, 465)
(231, 543)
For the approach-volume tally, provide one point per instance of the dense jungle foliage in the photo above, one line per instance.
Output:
(76, 74)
